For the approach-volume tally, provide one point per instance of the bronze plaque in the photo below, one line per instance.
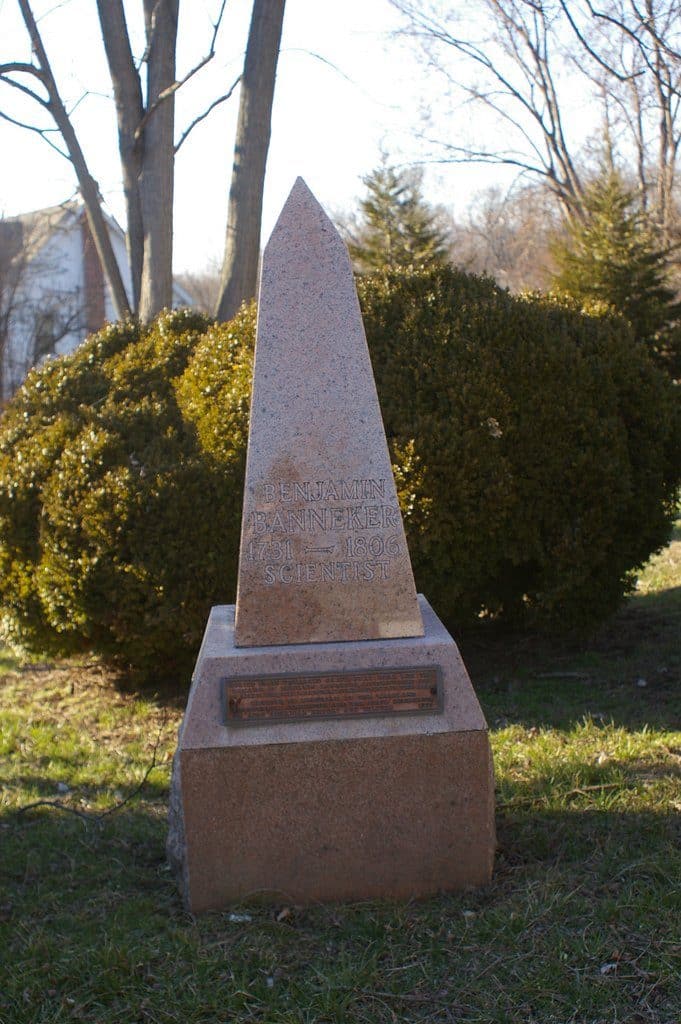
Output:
(252, 700)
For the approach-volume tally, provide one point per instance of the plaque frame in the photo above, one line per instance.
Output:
(231, 721)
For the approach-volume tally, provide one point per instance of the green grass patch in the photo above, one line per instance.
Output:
(580, 923)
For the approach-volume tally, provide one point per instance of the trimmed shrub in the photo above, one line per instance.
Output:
(536, 453)
(119, 511)
(537, 450)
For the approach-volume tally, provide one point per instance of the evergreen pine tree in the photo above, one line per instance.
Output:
(610, 260)
(397, 227)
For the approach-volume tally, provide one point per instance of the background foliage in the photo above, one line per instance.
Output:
(536, 452)
(537, 449)
(611, 260)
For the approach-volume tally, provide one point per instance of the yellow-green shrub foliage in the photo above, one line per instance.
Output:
(119, 505)
(537, 450)
(536, 453)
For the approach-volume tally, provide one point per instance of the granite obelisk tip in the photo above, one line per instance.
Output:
(323, 552)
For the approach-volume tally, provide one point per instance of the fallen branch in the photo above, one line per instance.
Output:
(58, 806)
(562, 675)
(583, 790)
(87, 816)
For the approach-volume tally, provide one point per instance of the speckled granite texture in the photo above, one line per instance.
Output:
(323, 553)
(330, 809)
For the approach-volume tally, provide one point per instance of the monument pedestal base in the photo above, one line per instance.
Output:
(391, 806)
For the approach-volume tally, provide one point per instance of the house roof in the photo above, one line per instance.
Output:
(28, 232)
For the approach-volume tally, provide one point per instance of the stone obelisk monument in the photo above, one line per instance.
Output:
(332, 746)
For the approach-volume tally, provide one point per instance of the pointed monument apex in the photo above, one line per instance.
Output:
(301, 214)
(323, 553)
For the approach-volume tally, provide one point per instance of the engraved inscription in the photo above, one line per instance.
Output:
(283, 698)
(324, 490)
(303, 532)
(321, 520)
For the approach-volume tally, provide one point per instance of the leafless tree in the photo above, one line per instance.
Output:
(12, 267)
(632, 51)
(521, 68)
(508, 235)
(513, 71)
(146, 138)
(145, 114)
(203, 286)
(43, 89)
(242, 243)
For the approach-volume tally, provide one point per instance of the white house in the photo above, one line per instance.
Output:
(52, 290)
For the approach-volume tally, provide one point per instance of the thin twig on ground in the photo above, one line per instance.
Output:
(85, 815)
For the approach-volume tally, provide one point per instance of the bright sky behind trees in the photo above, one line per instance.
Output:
(330, 123)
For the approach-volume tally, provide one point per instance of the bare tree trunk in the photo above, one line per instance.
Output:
(158, 156)
(145, 137)
(129, 112)
(242, 243)
(146, 144)
(88, 186)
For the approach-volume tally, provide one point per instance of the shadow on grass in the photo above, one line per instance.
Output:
(52, 860)
(45, 788)
(52, 855)
(55, 867)
(627, 671)
(91, 919)
(555, 679)
(607, 842)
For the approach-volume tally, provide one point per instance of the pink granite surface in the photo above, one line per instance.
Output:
(323, 553)
(219, 657)
(381, 818)
(385, 806)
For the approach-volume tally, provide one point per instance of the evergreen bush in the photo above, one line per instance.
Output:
(119, 510)
(396, 227)
(611, 260)
(536, 452)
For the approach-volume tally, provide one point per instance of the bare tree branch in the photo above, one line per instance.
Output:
(466, 155)
(88, 186)
(39, 131)
(201, 117)
(25, 89)
(608, 68)
(172, 89)
(27, 69)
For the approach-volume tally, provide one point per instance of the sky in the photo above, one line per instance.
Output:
(348, 87)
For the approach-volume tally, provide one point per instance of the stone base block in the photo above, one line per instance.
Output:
(344, 809)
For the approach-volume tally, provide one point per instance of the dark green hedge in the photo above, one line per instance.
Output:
(536, 452)
(120, 501)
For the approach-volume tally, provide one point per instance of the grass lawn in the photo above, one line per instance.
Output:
(582, 922)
